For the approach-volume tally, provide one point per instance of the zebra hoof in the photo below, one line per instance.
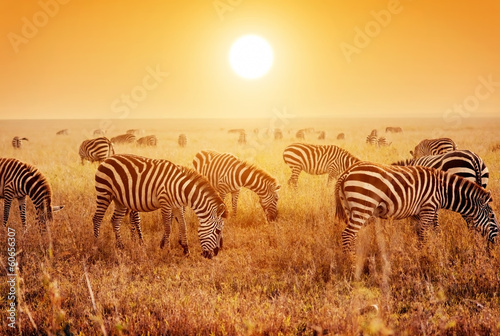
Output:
(207, 254)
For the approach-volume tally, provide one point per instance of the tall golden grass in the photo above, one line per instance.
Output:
(284, 278)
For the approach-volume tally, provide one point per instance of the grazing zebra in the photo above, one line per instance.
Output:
(382, 142)
(300, 135)
(317, 160)
(182, 141)
(135, 131)
(236, 130)
(99, 132)
(228, 174)
(371, 139)
(369, 189)
(97, 149)
(17, 142)
(123, 139)
(278, 134)
(140, 184)
(341, 136)
(393, 130)
(149, 140)
(63, 132)
(433, 147)
(242, 140)
(18, 180)
(322, 135)
(461, 162)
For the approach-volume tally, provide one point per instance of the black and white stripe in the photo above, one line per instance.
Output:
(18, 180)
(433, 147)
(461, 162)
(372, 138)
(140, 184)
(17, 142)
(148, 140)
(228, 174)
(317, 160)
(97, 149)
(369, 189)
(123, 139)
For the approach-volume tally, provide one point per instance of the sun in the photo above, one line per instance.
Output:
(251, 56)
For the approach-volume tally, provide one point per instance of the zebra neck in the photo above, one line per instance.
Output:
(453, 197)
(251, 178)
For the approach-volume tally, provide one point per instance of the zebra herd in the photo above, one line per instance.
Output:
(437, 177)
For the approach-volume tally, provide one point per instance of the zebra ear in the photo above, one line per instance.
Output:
(278, 187)
(411, 153)
(221, 211)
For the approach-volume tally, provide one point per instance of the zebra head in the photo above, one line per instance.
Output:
(269, 201)
(210, 232)
(484, 218)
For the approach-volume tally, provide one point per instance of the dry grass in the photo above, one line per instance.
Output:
(283, 278)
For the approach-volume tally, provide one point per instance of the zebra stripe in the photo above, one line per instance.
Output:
(461, 162)
(228, 174)
(369, 189)
(123, 139)
(97, 149)
(149, 140)
(433, 147)
(140, 184)
(17, 142)
(382, 142)
(317, 160)
(18, 180)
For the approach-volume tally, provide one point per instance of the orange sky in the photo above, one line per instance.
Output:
(155, 59)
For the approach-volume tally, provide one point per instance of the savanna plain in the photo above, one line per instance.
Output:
(288, 277)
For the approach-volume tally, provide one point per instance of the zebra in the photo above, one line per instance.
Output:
(371, 139)
(317, 160)
(63, 132)
(383, 191)
(461, 162)
(322, 135)
(17, 142)
(341, 136)
(382, 142)
(182, 141)
(300, 135)
(99, 132)
(123, 139)
(242, 140)
(149, 140)
(236, 130)
(135, 131)
(433, 147)
(228, 174)
(97, 149)
(278, 134)
(18, 180)
(140, 184)
(390, 129)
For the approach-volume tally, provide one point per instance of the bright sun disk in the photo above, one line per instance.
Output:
(251, 56)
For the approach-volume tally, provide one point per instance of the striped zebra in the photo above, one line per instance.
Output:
(382, 142)
(242, 139)
(461, 162)
(140, 184)
(369, 189)
(228, 174)
(433, 147)
(17, 142)
(301, 134)
(148, 140)
(372, 138)
(63, 132)
(99, 132)
(18, 180)
(97, 149)
(278, 134)
(182, 140)
(317, 160)
(390, 129)
(322, 135)
(135, 131)
(341, 136)
(123, 139)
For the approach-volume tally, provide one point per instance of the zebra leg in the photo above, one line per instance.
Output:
(6, 207)
(116, 219)
(166, 214)
(428, 218)
(135, 223)
(179, 214)
(234, 197)
(102, 205)
(295, 176)
(354, 224)
(22, 210)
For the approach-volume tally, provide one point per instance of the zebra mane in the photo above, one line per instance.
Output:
(348, 154)
(260, 171)
(196, 177)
